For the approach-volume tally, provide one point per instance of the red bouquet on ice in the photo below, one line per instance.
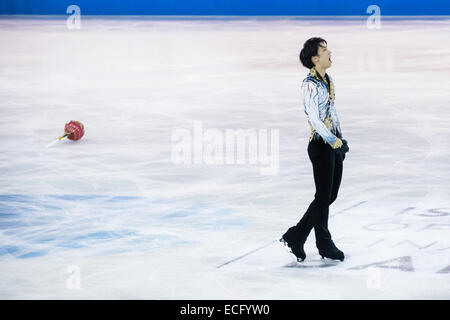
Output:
(74, 130)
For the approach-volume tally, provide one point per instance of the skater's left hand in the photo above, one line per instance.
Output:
(343, 149)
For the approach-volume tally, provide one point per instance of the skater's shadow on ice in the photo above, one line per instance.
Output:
(314, 263)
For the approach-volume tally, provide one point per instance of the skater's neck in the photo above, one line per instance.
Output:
(321, 71)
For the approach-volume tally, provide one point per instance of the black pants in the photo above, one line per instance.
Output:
(327, 168)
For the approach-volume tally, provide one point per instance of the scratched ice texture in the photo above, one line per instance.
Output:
(112, 216)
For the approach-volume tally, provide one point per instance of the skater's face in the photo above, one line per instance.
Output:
(323, 58)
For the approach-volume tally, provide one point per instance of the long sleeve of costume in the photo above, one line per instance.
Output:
(314, 105)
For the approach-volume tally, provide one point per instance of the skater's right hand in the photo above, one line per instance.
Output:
(337, 144)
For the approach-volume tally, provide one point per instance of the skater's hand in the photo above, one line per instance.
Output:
(337, 144)
(344, 147)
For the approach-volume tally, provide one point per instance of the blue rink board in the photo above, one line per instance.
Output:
(39, 225)
(228, 7)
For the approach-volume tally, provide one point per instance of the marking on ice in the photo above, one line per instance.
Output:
(346, 209)
(38, 225)
(246, 254)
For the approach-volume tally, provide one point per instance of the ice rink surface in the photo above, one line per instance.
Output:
(112, 216)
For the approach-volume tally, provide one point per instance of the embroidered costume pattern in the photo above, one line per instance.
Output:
(318, 101)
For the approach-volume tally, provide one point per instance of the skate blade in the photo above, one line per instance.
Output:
(289, 251)
(327, 260)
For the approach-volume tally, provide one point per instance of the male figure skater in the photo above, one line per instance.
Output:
(326, 150)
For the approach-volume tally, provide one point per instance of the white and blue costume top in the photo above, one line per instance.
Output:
(318, 100)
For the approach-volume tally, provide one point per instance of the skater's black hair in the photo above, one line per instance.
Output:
(310, 49)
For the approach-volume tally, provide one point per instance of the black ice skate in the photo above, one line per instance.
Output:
(295, 246)
(327, 249)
